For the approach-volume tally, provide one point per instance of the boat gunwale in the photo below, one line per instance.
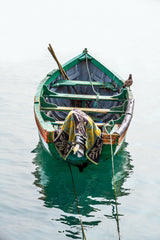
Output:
(46, 125)
(69, 64)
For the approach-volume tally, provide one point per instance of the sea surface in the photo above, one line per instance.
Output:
(37, 200)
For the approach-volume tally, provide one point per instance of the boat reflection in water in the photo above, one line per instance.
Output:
(94, 188)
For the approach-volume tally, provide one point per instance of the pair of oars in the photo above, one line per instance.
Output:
(64, 74)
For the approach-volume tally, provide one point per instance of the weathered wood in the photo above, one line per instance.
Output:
(43, 103)
(62, 82)
(130, 106)
(64, 75)
(83, 97)
(46, 117)
(88, 110)
(127, 119)
(120, 97)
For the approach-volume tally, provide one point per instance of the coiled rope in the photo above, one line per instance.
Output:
(115, 192)
(75, 194)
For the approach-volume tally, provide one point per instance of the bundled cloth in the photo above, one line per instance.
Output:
(79, 129)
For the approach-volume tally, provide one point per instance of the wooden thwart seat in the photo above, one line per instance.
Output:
(45, 106)
(88, 110)
(120, 97)
(99, 124)
(63, 82)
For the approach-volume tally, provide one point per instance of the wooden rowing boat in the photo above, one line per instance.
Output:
(83, 111)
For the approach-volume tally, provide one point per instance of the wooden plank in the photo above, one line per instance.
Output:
(62, 82)
(83, 97)
(88, 110)
(120, 97)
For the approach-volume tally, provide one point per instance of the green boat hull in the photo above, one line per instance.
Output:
(55, 97)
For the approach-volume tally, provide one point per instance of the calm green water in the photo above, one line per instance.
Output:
(36, 195)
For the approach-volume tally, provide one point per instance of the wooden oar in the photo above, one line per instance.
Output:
(64, 74)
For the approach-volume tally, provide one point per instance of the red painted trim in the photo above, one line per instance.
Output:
(43, 132)
(107, 139)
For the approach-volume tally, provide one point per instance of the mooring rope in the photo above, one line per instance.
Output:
(75, 194)
(115, 192)
(97, 93)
